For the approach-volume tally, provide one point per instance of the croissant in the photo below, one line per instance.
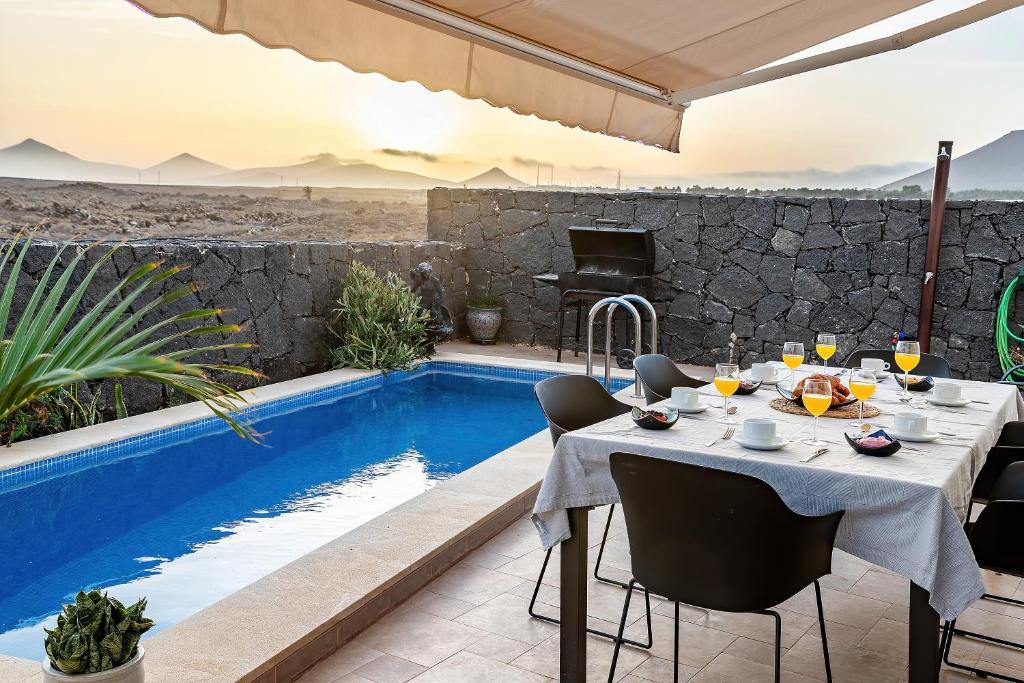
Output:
(840, 394)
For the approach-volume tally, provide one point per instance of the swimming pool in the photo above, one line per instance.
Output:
(190, 514)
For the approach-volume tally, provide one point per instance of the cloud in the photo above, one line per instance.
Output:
(596, 169)
(327, 156)
(526, 161)
(865, 175)
(411, 154)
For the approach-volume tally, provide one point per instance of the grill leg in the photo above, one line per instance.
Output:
(579, 315)
(558, 334)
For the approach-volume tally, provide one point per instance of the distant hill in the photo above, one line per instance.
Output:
(33, 159)
(183, 169)
(999, 165)
(493, 178)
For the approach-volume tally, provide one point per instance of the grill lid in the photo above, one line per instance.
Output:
(613, 251)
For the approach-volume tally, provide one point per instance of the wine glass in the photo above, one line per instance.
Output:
(793, 357)
(727, 381)
(862, 385)
(908, 355)
(826, 348)
(817, 398)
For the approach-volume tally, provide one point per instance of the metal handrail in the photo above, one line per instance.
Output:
(595, 309)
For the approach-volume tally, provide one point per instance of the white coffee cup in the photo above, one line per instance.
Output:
(946, 391)
(763, 371)
(684, 397)
(911, 423)
(759, 430)
(876, 364)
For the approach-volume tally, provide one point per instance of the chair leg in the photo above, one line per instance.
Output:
(675, 648)
(600, 551)
(579, 316)
(778, 643)
(558, 333)
(531, 609)
(824, 637)
(618, 638)
(951, 630)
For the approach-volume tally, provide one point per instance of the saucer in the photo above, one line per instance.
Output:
(699, 408)
(774, 445)
(955, 403)
(771, 381)
(922, 437)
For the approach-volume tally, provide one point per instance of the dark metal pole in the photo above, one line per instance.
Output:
(931, 259)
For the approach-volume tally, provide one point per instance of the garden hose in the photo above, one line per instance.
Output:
(1003, 331)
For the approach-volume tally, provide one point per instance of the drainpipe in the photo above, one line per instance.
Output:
(931, 259)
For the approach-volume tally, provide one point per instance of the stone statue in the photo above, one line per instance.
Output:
(428, 288)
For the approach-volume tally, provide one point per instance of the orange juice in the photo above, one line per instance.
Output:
(907, 361)
(727, 386)
(826, 351)
(792, 361)
(862, 390)
(817, 404)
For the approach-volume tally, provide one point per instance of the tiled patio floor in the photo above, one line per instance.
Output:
(471, 625)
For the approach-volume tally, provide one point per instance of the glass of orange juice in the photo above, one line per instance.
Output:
(908, 355)
(793, 357)
(727, 381)
(825, 348)
(817, 398)
(862, 385)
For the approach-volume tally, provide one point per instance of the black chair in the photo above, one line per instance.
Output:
(995, 539)
(930, 364)
(660, 375)
(718, 540)
(1008, 450)
(571, 402)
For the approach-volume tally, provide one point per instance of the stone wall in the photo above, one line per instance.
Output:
(281, 293)
(769, 269)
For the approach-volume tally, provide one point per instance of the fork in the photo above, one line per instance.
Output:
(815, 454)
(725, 437)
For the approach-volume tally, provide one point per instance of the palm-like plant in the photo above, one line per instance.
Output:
(46, 351)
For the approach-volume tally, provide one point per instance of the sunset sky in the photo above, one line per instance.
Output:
(106, 82)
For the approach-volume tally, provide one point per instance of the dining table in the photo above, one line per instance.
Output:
(905, 512)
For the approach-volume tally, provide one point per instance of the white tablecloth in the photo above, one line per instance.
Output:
(904, 513)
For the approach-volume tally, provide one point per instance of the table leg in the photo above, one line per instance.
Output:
(573, 629)
(924, 638)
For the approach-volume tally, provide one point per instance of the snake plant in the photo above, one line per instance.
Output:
(46, 350)
(95, 634)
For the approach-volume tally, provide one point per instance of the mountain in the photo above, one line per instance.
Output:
(999, 165)
(326, 170)
(33, 159)
(493, 178)
(183, 169)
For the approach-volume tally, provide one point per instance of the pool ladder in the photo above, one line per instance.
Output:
(612, 303)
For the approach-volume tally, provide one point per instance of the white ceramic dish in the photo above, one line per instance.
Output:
(700, 408)
(923, 437)
(778, 377)
(774, 445)
(955, 403)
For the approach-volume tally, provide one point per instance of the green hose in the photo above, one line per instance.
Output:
(1003, 331)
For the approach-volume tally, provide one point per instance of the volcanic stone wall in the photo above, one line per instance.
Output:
(281, 293)
(767, 269)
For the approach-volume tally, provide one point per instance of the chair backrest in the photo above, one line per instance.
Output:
(572, 402)
(660, 375)
(995, 536)
(717, 539)
(930, 364)
(1008, 449)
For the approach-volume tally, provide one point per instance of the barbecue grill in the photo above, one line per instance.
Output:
(610, 261)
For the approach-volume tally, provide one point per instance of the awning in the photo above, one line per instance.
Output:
(627, 68)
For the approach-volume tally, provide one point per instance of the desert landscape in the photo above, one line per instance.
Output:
(92, 210)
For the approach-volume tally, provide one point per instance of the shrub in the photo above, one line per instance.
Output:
(96, 633)
(378, 322)
(487, 301)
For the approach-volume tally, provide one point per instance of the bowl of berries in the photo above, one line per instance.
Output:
(878, 443)
(655, 417)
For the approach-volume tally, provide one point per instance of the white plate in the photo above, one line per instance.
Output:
(956, 403)
(775, 445)
(701, 407)
(926, 436)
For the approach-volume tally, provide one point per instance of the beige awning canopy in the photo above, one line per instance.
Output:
(627, 68)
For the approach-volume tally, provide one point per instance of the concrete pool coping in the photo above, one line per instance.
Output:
(278, 626)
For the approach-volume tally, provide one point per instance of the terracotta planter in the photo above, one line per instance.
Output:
(483, 324)
(129, 672)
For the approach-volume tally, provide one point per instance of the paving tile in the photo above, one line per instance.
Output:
(543, 659)
(884, 587)
(498, 648)
(660, 670)
(849, 664)
(344, 661)
(473, 584)
(466, 667)
(889, 638)
(488, 560)
(760, 626)
(506, 615)
(844, 608)
(726, 668)
(439, 605)
(698, 645)
(390, 669)
(753, 650)
(419, 637)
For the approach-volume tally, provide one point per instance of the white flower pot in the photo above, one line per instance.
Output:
(129, 672)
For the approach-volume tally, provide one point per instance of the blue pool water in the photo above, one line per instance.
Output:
(190, 515)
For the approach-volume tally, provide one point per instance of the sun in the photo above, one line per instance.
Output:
(404, 116)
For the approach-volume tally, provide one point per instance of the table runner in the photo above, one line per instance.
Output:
(904, 513)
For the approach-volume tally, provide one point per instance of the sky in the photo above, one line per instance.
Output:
(104, 81)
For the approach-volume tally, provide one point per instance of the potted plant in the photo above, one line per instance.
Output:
(483, 317)
(96, 639)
